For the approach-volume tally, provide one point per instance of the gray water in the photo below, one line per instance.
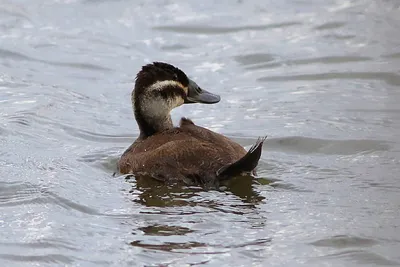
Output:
(321, 78)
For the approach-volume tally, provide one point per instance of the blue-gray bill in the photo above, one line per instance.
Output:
(198, 95)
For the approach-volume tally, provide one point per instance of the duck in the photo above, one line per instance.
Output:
(186, 154)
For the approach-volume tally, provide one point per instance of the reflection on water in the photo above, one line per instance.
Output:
(166, 246)
(150, 192)
(194, 207)
(165, 230)
(321, 79)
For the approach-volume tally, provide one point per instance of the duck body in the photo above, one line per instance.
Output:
(189, 154)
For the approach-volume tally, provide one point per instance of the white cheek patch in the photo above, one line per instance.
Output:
(159, 107)
(155, 107)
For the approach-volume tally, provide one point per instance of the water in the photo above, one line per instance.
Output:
(320, 78)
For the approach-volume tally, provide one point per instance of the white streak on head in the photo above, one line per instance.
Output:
(160, 85)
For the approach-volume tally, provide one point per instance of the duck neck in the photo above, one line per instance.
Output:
(152, 118)
(149, 127)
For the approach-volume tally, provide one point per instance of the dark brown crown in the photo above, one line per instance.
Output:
(159, 71)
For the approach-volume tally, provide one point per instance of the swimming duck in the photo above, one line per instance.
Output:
(189, 154)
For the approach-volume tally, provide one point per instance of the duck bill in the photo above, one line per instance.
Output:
(197, 95)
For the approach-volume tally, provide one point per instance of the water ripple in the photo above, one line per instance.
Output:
(4, 53)
(330, 25)
(174, 47)
(183, 247)
(388, 77)
(255, 58)
(17, 194)
(392, 55)
(308, 145)
(14, 10)
(197, 29)
(41, 244)
(170, 246)
(253, 61)
(47, 258)
(361, 257)
(344, 241)
(26, 119)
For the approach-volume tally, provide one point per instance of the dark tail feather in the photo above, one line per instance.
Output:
(246, 164)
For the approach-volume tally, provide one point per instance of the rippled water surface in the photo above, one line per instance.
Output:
(321, 78)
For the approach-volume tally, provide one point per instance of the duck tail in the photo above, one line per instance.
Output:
(244, 165)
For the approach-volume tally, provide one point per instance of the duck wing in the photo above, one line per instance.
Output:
(187, 160)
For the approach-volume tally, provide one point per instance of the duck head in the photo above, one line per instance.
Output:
(159, 88)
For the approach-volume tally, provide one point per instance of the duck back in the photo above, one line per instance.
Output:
(189, 153)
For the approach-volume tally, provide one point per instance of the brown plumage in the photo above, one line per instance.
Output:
(189, 153)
